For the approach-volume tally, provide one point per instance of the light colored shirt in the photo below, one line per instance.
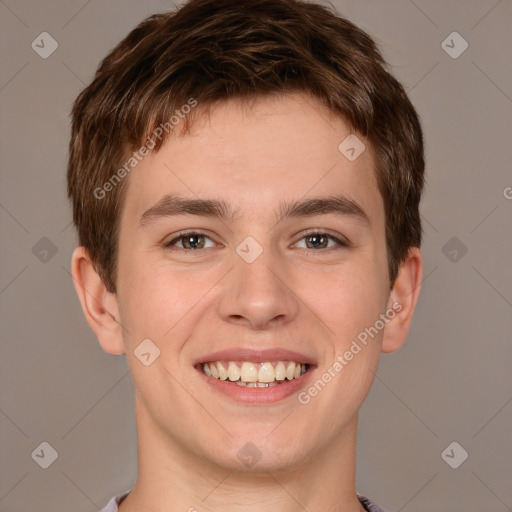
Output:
(112, 505)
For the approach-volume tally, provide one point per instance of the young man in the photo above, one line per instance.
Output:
(245, 180)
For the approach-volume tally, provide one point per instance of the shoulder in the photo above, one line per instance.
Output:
(368, 504)
(113, 504)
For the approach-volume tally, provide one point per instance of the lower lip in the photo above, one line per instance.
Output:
(256, 395)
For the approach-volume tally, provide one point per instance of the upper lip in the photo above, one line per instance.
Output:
(248, 354)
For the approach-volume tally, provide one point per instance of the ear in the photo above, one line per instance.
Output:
(98, 304)
(402, 300)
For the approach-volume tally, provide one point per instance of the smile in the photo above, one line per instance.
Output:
(252, 375)
(255, 377)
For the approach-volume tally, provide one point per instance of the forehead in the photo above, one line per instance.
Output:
(256, 155)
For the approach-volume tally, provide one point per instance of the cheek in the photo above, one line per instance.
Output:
(154, 300)
(346, 299)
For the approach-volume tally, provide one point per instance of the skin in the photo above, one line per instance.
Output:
(311, 300)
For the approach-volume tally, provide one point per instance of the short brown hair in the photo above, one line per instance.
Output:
(214, 50)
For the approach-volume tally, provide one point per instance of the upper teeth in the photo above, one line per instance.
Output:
(254, 372)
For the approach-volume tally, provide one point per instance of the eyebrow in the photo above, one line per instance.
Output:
(174, 205)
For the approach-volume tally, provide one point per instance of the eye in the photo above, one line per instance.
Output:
(320, 240)
(193, 240)
(190, 240)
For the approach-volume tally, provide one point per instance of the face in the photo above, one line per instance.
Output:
(269, 280)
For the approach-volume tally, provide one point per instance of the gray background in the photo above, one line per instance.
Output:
(450, 382)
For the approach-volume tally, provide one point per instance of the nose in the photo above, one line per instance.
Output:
(258, 295)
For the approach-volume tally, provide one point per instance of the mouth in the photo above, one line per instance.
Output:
(254, 374)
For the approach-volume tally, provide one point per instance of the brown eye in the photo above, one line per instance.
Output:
(189, 241)
(320, 240)
(316, 241)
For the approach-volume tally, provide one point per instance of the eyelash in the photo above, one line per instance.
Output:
(183, 234)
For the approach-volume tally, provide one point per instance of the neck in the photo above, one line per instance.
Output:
(170, 477)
